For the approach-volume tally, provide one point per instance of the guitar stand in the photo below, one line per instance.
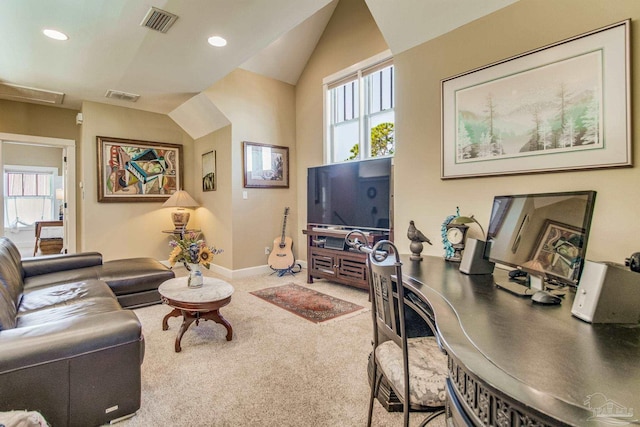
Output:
(295, 268)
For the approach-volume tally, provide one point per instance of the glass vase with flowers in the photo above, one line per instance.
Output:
(193, 252)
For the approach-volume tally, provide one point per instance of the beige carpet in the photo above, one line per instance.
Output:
(279, 369)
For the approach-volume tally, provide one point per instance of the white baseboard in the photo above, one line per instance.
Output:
(243, 272)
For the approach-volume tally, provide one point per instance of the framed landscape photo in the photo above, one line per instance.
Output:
(137, 171)
(560, 107)
(265, 166)
(209, 171)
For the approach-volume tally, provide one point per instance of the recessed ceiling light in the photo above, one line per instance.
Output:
(55, 34)
(217, 41)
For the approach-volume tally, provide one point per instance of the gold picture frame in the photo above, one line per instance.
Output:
(137, 171)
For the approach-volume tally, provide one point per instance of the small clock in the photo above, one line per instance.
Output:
(455, 236)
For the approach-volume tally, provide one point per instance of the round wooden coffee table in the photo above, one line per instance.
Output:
(195, 304)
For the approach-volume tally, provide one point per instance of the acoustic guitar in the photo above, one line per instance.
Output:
(281, 256)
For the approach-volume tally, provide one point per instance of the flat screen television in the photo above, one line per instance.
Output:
(350, 194)
(545, 232)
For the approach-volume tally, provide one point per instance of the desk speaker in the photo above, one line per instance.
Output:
(607, 293)
(473, 260)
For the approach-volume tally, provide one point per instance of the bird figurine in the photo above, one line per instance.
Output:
(417, 238)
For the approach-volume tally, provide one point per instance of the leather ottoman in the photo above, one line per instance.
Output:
(135, 281)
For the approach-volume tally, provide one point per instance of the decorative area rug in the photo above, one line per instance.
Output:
(307, 303)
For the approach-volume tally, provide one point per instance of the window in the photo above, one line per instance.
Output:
(29, 197)
(360, 112)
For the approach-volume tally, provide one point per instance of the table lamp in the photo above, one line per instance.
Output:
(181, 200)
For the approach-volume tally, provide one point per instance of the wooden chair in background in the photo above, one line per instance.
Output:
(48, 242)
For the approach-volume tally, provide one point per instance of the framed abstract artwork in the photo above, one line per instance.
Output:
(209, 171)
(565, 106)
(265, 166)
(137, 171)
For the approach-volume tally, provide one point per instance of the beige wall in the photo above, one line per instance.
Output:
(216, 213)
(421, 195)
(260, 110)
(121, 230)
(267, 111)
(351, 36)
(39, 120)
(29, 155)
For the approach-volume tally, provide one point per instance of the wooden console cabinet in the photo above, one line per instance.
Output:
(334, 262)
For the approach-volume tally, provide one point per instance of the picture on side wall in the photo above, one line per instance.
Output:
(265, 165)
(209, 171)
(560, 107)
(137, 171)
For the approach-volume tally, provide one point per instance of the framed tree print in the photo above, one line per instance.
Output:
(565, 106)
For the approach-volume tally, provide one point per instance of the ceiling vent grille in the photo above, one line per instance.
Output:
(159, 20)
(30, 94)
(122, 96)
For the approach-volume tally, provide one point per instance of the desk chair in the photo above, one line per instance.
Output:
(48, 245)
(415, 368)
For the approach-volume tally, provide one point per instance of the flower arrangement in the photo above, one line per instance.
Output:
(192, 250)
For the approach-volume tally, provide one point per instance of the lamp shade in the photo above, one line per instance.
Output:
(180, 199)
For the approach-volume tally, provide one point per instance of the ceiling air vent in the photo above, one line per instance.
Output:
(122, 96)
(159, 20)
(30, 94)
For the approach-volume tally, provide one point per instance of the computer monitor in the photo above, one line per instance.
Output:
(544, 233)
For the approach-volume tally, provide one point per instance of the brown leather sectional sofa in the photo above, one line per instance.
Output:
(67, 347)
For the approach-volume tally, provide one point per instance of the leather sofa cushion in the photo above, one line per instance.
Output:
(80, 309)
(64, 332)
(61, 294)
(7, 310)
(127, 276)
(58, 263)
(11, 270)
(58, 277)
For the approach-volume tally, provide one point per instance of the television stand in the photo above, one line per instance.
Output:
(328, 258)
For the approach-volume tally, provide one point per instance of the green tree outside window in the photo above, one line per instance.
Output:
(382, 142)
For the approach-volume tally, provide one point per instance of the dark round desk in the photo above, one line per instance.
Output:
(512, 362)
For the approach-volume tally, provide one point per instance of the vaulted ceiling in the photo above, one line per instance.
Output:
(109, 49)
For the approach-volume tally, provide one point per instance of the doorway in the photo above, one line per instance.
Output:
(41, 172)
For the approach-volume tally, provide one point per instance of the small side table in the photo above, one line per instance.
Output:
(195, 304)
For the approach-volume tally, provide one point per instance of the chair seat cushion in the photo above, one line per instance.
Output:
(427, 370)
